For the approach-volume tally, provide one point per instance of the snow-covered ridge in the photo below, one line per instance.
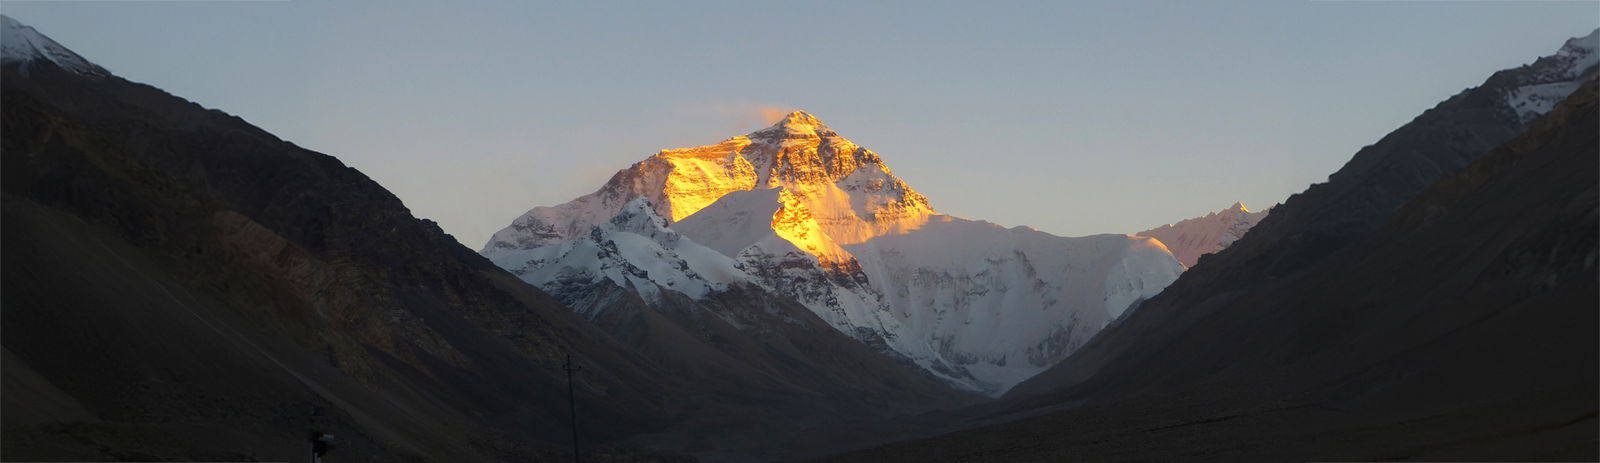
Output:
(995, 306)
(20, 43)
(1191, 238)
(1543, 84)
(634, 249)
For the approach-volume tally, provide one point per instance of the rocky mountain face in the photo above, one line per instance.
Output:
(181, 284)
(1532, 90)
(799, 211)
(855, 194)
(1365, 319)
(1191, 238)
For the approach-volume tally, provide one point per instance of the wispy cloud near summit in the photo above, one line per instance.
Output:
(737, 116)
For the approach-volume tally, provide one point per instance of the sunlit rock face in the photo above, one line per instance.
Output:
(801, 212)
(848, 190)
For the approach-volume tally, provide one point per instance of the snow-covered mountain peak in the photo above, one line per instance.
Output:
(795, 124)
(1577, 58)
(1192, 238)
(1585, 46)
(634, 249)
(798, 117)
(847, 189)
(21, 43)
(1533, 90)
(638, 216)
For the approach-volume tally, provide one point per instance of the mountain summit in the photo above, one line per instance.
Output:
(1534, 89)
(850, 191)
(1189, 239)
(797, 123)
(20, 43)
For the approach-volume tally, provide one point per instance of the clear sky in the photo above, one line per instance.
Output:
(1072, 117)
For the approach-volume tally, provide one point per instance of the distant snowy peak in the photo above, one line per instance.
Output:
(1534, 90)
(634, 249)
(1586, 45)
(1581, 55)
(639, 217)
(847, 189)
(1189, 239)
(796, 124)
(20, 43)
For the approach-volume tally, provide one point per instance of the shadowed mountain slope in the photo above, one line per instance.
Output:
(1461, 328)
(180, 284)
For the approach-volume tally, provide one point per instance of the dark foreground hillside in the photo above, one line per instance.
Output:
(180, 284)
(1463, 328)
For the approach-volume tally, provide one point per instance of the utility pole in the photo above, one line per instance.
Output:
(572, 403)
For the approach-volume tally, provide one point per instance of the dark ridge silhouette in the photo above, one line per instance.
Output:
(180, 284)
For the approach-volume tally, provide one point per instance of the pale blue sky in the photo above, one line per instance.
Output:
(1072, 117)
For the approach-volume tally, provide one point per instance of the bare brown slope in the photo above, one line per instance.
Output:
(1462, 329)
(199, 286)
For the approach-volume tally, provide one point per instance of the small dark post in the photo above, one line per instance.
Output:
(572, 403)
(316, 444)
